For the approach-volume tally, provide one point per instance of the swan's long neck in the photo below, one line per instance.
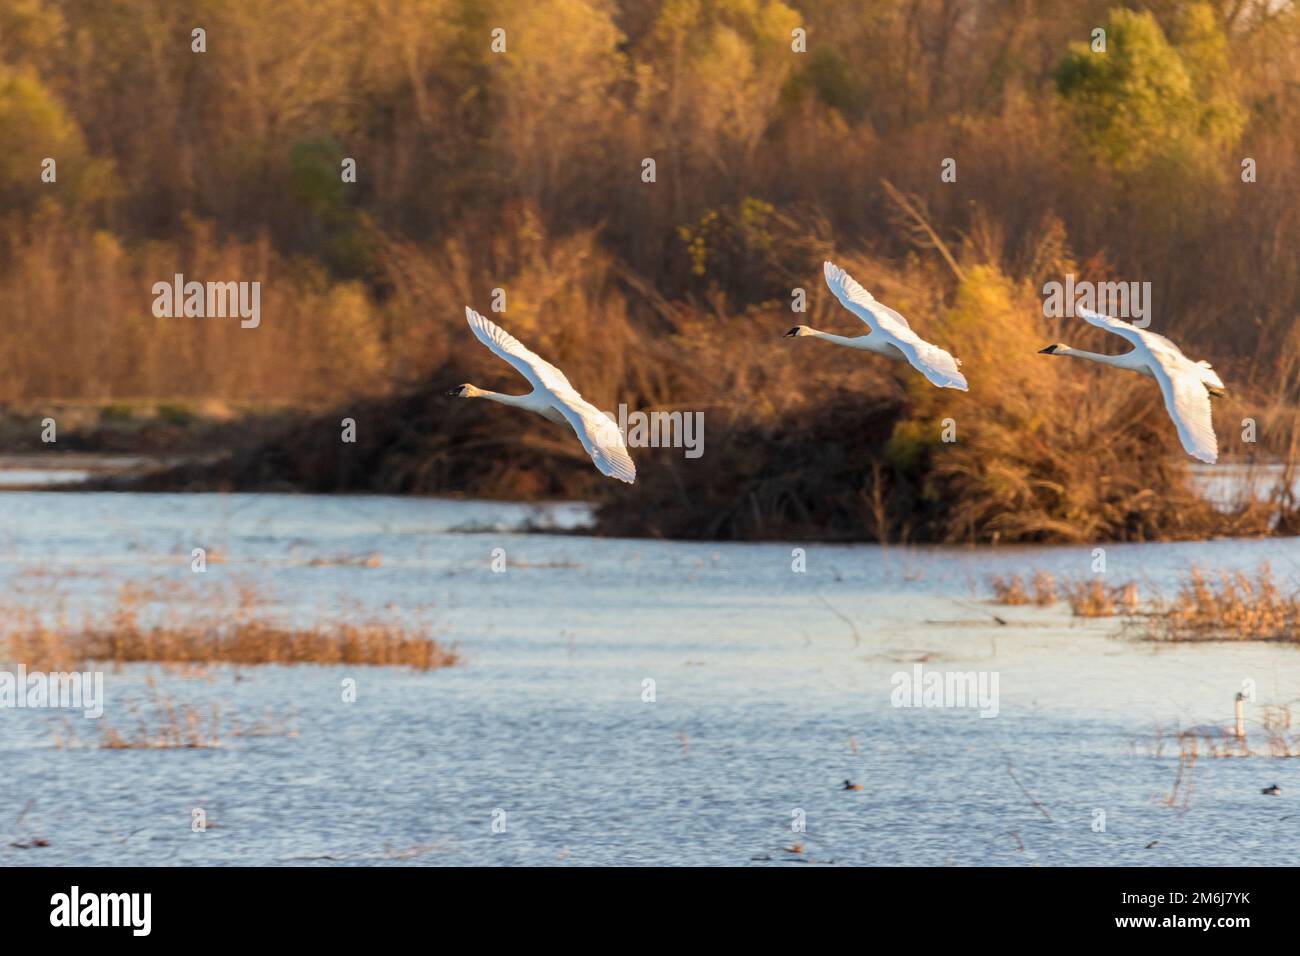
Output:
(517, 401)
(531, 402)
(1115, 361)
(858, 342)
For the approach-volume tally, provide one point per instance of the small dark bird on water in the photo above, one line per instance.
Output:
(852, 786)
(1273, 791)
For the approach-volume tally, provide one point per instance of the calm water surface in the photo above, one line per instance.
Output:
(765, 700)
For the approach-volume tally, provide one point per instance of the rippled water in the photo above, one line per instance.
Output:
(765, 700)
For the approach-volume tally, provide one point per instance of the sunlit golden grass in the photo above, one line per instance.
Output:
(168, 624)
(1222, 606)
(1087, 597)
(1092, 598)
(1228, 606)
(1042, 589)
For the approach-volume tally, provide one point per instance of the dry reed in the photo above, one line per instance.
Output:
(162, 622)
(1227, 606)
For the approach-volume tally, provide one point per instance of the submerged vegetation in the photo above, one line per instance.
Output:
(1168, 159)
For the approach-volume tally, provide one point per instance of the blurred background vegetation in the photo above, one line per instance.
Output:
(522, 170)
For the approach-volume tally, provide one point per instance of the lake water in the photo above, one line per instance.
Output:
(765, 699)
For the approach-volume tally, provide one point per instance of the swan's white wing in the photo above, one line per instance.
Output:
(1141, 338)
(1188, 404)
(1182, 382)
(541, 373)
(880, 317)
(930, 360)
(599, 436)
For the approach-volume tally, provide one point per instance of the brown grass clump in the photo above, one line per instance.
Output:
(1229, 606)
(1012, 590)
(1087, 597)
(1092, 598)
(1009, 590)
(216, 626)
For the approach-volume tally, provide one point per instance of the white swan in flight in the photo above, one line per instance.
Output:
(890, 334)
(554, 398)
(1186, 385)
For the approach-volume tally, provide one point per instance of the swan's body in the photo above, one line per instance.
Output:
(553, 398)
(1186, 385)
(890, 334)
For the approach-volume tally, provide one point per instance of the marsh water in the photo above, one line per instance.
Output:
(771, 687)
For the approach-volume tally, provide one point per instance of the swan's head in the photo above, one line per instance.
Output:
(463, 391)
(797, 331)
(1057, 348)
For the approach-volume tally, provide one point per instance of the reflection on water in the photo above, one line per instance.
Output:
(61, 468)
(770, 688)
(1228, 485)
(29, 477)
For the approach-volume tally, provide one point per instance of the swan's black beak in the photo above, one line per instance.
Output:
(1050, 350)
(456, 392)
(792, 333)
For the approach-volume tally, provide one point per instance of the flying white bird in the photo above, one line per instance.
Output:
(1186, 385)
(890, 334)
(554, 398)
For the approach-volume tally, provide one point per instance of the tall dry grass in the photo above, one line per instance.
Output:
(1228, 606)
(1208, 606)
(168, 623)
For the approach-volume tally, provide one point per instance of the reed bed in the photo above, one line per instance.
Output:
(1093, 598)
(1228, 606)
(1012, 590)
(1087, 597)
(165, 623)
(1224, 606)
